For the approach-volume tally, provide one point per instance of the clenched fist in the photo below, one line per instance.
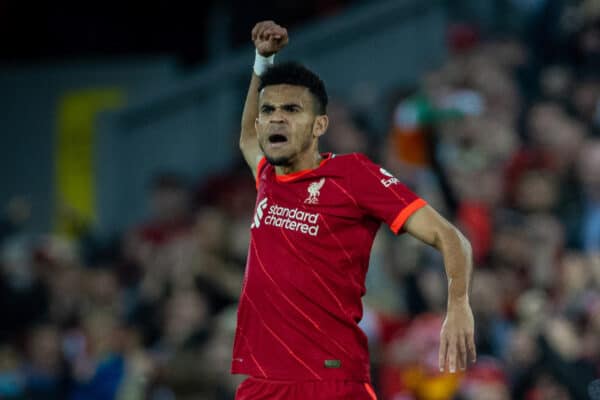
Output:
(269, 38)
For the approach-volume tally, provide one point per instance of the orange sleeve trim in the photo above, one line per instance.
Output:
(370, 391)
(259, 167)
(406, 213)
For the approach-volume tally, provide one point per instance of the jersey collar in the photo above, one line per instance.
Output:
(298, 174)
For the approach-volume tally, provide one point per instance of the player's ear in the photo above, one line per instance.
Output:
(320, 125)
(256, 124)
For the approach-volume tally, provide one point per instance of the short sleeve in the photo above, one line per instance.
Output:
(381, 195)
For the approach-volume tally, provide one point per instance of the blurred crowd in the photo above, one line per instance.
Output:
(503, 139)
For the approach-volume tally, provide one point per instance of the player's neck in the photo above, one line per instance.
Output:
(309, 161)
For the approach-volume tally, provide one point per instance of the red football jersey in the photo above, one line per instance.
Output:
(309, 250)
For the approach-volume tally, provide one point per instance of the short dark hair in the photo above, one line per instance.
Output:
(293, 73)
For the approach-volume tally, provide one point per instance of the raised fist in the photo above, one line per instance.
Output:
(269, 38)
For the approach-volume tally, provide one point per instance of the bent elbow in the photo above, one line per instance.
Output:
(464, 242)
(450, 236)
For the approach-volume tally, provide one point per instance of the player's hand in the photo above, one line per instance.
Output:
(269, 38)
(457, 343)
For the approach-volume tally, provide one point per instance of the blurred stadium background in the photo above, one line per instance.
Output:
(125, 205)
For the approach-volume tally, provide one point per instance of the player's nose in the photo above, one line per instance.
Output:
(277, 117)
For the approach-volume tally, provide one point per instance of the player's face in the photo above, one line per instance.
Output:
(286, 123)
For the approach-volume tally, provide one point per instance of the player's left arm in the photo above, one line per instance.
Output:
(457, 344)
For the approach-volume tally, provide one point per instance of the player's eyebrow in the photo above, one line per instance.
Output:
(266, 108)
(285, 106)
(292, 105)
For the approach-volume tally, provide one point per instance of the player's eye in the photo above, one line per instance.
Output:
(292, 108)
(267, 109)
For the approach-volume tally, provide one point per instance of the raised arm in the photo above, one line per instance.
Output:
(457, 344)
(268, 38)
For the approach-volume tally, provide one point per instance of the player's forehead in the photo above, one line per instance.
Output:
(285, 94)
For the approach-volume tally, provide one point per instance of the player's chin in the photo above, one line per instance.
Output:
(279, 156)
(278, 160)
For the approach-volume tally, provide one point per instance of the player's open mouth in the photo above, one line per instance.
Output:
(277, 139)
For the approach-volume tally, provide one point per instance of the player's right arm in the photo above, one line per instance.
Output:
(268, 38)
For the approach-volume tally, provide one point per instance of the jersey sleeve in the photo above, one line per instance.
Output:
(382, 196)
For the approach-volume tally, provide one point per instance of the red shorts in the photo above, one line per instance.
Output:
(262, 389)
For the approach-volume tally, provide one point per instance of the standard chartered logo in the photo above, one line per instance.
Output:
(259, 213)
(291, 219)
